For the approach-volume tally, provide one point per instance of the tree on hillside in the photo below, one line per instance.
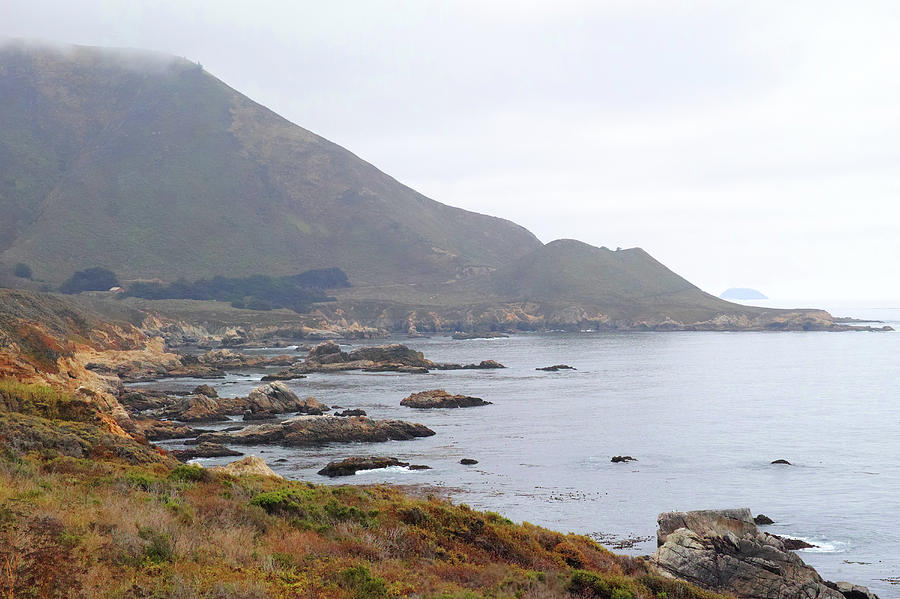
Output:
(91, 279)
(22, 271)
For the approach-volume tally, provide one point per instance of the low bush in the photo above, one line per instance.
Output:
(258, 292)
(91, 279)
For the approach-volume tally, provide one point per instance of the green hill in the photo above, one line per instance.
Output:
(151, 167)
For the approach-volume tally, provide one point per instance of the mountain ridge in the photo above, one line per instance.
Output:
(180, 149)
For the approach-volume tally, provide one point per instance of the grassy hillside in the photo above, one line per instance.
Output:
(569, 269)
(151, 167)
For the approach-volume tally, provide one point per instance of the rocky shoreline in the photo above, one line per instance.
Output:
(723, 550)
(364, 320)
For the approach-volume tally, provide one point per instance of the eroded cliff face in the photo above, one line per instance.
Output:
(537, 316)
(367, 320)
(45, 339)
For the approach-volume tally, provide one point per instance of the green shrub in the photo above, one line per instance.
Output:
(190, 473)
(91, 279)
(23, 271)
(280, 500)
(32, 399)
(141, 479)
(257, 292)
(159, 545)
(589, 584)
(360, 582)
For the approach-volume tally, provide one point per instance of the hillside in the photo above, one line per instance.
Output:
(565, 284)
(149, 166)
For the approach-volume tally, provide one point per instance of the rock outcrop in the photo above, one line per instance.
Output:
(439, 398)
(249, 466)
(556, 368)
(204, 450)
(159, 430)
(274, 398)
(723, 550)
(351, 412)
(264, 402)
(316, 430)
(394, 353)
(196, 408)
(395, 357)
(619, 459)
(351, 466)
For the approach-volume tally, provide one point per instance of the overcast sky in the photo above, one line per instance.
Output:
(741, 143)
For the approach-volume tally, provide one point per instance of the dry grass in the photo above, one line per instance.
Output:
(78, 528)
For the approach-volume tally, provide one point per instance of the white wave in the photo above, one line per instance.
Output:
(823, 546)
(388, 469)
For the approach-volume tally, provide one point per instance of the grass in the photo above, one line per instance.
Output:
(32, 399)
(84, 528)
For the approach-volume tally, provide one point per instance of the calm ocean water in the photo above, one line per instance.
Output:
(704, 414)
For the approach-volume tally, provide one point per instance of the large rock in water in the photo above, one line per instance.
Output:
(328, 352)
(196, 408)
(351, 466)
(395, 353)
(316, 430)
(276, 398)
(438, 398)
(723, 550)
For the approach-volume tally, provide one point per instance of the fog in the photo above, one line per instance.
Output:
(742, 144)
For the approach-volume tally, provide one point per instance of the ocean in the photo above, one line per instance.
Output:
(703, 413)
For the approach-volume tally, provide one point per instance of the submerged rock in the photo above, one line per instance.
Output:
(622, 458)
(382, 367)
(792, 544)
(439, 398)
(316, 430)
(723, 550)
(468, 462)
(353, 412)
(556, 368)
(484, 365)
(460, 335)
(784, 462)
(283, 375)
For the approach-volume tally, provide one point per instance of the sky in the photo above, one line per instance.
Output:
(749, 144)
